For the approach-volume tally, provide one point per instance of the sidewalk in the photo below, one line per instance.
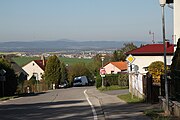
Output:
(116, 109)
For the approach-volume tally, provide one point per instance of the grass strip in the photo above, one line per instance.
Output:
(113, 87)
(129, 99)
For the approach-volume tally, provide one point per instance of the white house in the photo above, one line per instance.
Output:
(144, 56)
(115, 67)
(35, 68)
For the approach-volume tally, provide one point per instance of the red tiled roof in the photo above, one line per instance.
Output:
(40, 63)
(153, 49)
(121, 65)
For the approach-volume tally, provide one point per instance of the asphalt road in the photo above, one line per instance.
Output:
(68, 104)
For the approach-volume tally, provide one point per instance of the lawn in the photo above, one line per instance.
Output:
(71, 61)
(21, 61)
(130, 99)
(113, 87)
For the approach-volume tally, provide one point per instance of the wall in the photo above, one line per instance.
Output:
(31, 68)
(176, 20)
(135, 80)
(110, 67)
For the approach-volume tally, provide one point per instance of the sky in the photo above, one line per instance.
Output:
(83, 20)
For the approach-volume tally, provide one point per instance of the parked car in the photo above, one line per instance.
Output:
(65, 84)
(80, 81)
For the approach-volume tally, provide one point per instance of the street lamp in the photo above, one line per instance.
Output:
(162, 4)
(102, 60)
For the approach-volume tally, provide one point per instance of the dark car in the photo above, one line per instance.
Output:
(65, 84)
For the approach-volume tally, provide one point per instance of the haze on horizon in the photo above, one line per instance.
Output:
(82, 20)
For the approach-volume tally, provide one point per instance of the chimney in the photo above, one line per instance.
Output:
(43, 60)
(167, 44)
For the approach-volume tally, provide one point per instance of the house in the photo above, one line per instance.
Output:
(115, 67)
(143, 57)
(35, 68)
(20, 73)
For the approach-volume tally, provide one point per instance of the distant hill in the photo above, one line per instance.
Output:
(62, 45)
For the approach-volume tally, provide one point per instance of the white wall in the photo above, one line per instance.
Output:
(145, 61)
(135, 80)
(31, 68)
(110, 67)
(177, 19)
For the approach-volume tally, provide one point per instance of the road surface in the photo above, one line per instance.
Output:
(68, 104)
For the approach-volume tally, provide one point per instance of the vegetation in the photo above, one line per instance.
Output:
(78, 69)
(21, 61)
(71, 61)
(10, 85)
(64, 73)
(128, 98)
(175, 71)
(119, 55)
(113, 87)
(52, 72)
(156, 69)
(158, 114)
(120, 80)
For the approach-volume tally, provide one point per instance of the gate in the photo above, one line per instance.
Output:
(151, 90)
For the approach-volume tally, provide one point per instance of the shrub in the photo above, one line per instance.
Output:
(111, 79)
(123, 79)
(98, 81)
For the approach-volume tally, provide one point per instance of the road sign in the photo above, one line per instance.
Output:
(130, 58)
(103, 75)
(2, 72)
(102, 71)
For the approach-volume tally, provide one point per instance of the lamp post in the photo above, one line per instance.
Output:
(162, 4)
(102, 60)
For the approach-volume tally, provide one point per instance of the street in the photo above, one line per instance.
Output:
(56, 104)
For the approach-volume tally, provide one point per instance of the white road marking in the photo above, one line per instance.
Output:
(92, 107)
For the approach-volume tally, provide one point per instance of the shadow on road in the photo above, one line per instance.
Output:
(31, 94)
(68, 110)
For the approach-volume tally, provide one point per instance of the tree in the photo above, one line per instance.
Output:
(175, 71)
(10, 85)
(119, 55)
(78, 69)
(64, 74)
(115, 56)
(53, 70)
(156, 69)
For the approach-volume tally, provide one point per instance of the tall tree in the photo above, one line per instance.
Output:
(53, 70)
(64, 74)
(10, 85)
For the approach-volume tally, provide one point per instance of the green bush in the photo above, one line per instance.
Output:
(113, 79)
(98, 81)
(123, 79)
